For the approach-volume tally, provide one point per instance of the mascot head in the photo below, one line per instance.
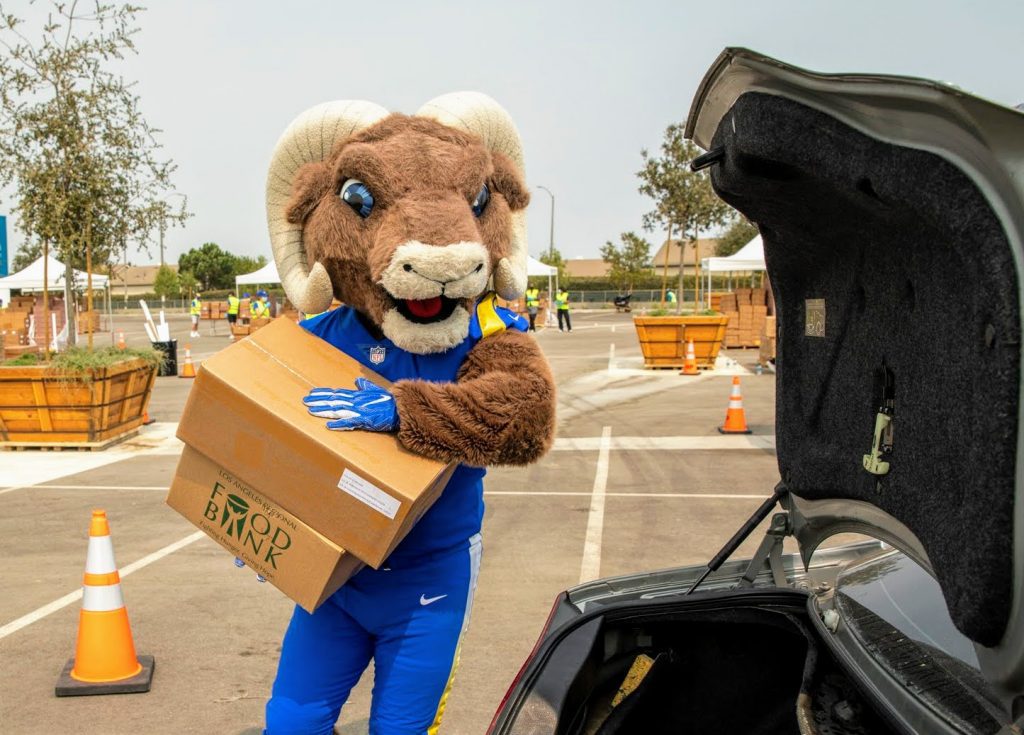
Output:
(407, 219)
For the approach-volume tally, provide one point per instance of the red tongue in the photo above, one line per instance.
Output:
(424, 308)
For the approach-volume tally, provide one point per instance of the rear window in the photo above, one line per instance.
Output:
(897, 611)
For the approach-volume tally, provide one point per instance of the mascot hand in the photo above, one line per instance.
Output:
(368, 407)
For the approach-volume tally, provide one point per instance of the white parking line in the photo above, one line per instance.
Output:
(590, 568)
(669, 443)
(689, 496)
(60, 603)
(87, 487)
(611, 357)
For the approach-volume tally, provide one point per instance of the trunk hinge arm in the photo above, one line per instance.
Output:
(770, 552)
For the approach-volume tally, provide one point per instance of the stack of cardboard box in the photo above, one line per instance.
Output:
(303, 506)
(747, 310)
(88, 321)
(768, 342)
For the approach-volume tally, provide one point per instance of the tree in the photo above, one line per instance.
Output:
(740, 232)
(81, 159)
(214, 267)
(554, 258)
(187, 283)
(247, 264)
(166, 284)
(683, 199)
(628, 262)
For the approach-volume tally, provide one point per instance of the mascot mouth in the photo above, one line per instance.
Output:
(426, 311)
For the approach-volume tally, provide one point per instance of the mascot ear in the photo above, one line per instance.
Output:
(479, 114)
(310, 138)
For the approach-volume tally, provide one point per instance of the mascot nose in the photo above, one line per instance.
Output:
(408, 268)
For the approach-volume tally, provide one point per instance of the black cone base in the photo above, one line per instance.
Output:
(69, 687)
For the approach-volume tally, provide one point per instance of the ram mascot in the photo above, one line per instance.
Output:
(410, 222)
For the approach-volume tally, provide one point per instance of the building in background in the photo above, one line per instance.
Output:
(134, 280)
(707, 247)
(587, 268)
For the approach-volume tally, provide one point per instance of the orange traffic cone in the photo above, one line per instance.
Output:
(735, 418)
(146, 420)
(105, 660)
(120, 340)
(690, 365)
(188, 370)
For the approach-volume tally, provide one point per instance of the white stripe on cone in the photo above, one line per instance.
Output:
(99, 559)
(103, 598)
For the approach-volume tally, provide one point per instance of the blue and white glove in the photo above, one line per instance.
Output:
(368, 407)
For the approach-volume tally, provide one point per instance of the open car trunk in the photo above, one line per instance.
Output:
(735, 662)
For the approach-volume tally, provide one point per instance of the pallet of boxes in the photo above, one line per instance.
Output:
(241, 328)
(769, 343)
(747, 309)
(15, 322)
(302, 506)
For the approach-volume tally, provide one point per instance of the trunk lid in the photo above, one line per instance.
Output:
(892, 214)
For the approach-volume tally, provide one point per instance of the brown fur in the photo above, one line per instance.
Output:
(423, 176)
(500, 410)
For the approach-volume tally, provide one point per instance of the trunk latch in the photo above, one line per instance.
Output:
(881, 443)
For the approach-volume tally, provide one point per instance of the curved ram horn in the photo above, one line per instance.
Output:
(477, 113)
(310, 137)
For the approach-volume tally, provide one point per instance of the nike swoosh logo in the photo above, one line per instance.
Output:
(424, 600)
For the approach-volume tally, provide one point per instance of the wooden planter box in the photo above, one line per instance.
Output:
(39, 406)
(663, 339)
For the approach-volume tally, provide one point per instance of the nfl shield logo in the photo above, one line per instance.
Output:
(377, 355)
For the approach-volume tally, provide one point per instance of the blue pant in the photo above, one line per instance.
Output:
(409, 620)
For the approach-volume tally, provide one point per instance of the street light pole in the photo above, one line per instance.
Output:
(551, 239)
(550, 321)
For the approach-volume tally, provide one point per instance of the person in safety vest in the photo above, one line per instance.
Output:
(562, 304)
(232, 312)
(670, 296)
(195, 310)
(532, 305)
(260, 307)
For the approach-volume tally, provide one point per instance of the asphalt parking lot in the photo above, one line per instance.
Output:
(639, 479)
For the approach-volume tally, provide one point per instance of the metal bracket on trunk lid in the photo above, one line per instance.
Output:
(770, 551)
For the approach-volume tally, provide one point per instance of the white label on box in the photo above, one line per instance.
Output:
(366, 492)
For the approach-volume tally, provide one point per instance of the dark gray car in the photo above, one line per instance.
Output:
(892, 213)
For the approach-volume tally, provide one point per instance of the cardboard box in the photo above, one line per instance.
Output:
(362, 490)
(300, 562)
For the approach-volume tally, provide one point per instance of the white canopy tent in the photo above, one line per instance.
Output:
(49, 273)
(31, 278)
(748, 259)
(266, 274)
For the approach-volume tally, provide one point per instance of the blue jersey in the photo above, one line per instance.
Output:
(458, 513)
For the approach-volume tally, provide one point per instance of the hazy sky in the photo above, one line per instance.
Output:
(588, 83)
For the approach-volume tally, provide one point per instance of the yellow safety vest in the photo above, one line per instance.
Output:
(562, 300)
(532, 297)
(259, 309)
(233, 303)
(197, 307)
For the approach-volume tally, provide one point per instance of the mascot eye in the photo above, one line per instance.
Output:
(357, 195)
(480, 203)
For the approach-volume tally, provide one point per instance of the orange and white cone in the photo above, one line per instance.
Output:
(690, 364)
(188, 370)
(105, 660)
(121, 345)
(735, 417)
